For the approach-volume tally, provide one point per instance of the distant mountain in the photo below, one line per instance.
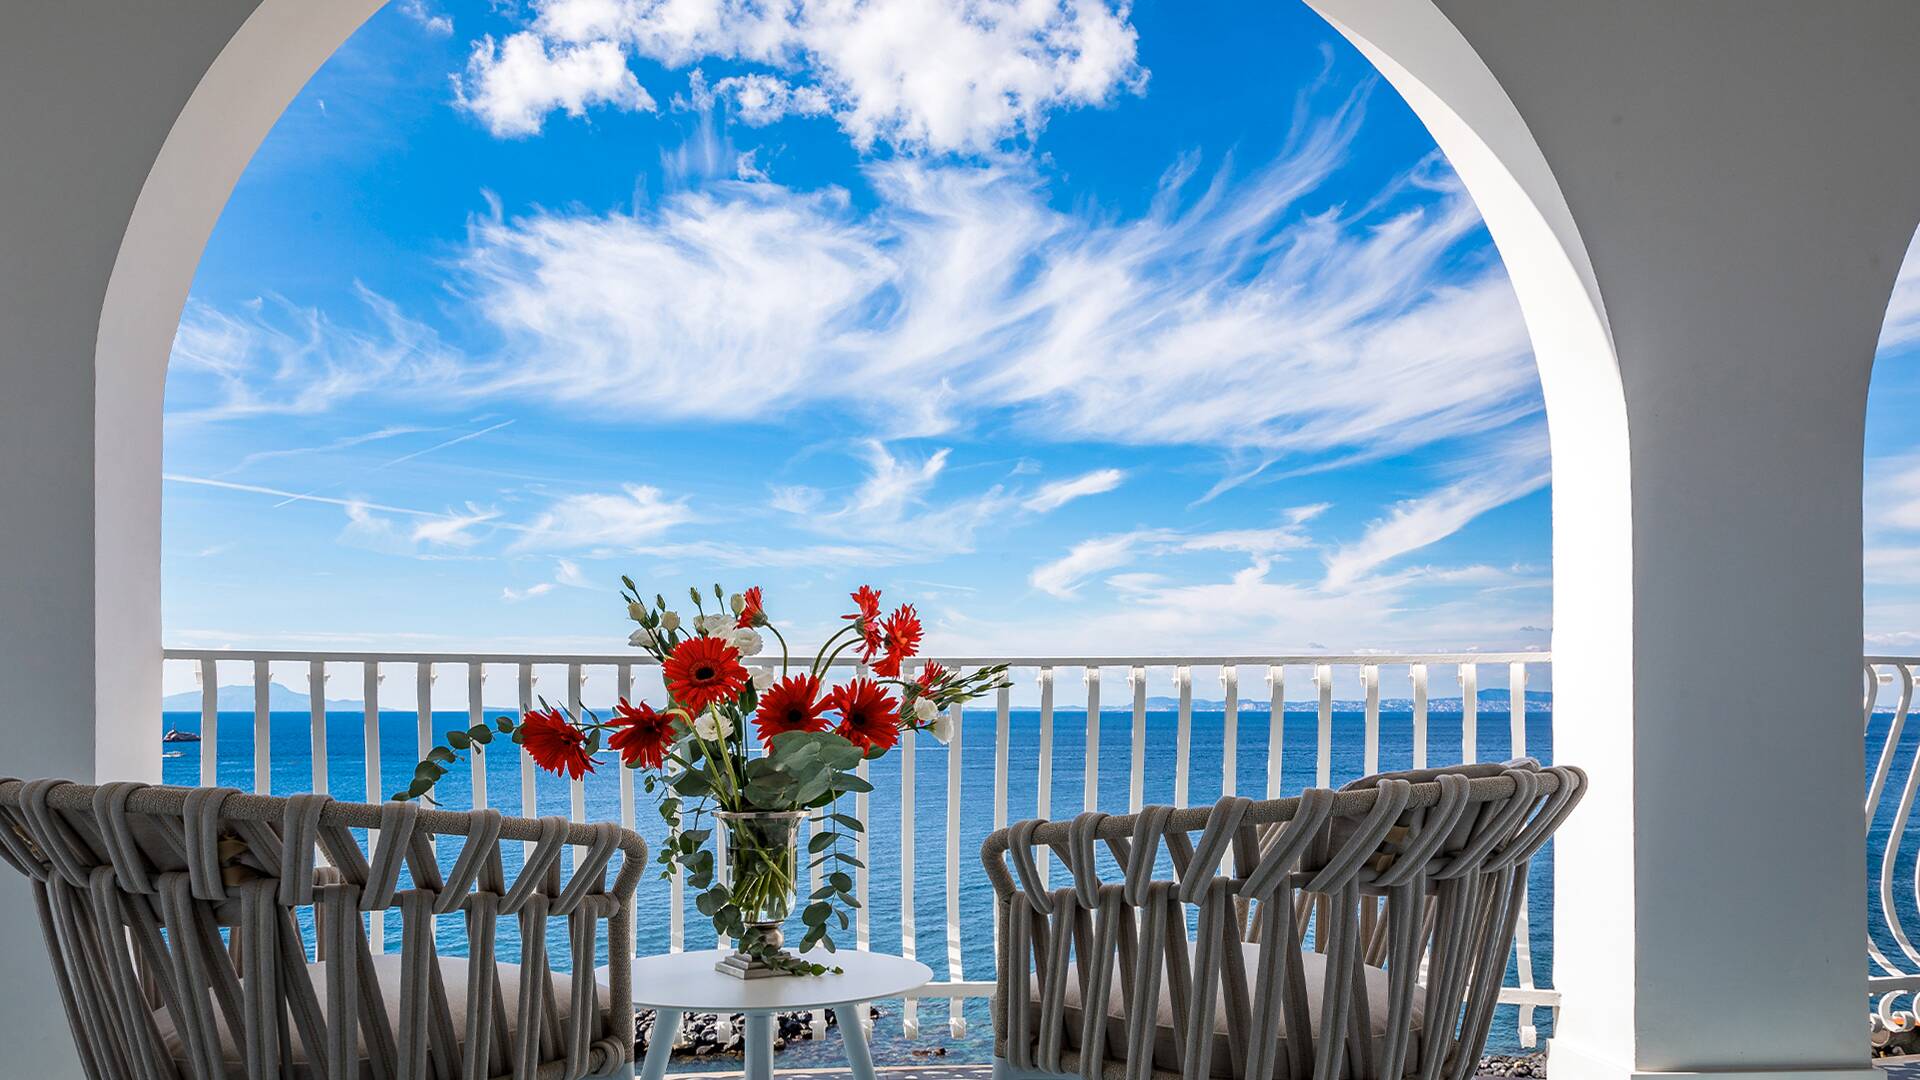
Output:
(239, 698)
(1490, 701)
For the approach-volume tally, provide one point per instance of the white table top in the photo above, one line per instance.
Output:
(688, 981)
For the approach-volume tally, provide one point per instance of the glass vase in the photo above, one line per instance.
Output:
(762, 877)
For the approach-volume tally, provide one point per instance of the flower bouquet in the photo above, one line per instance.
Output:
(705, 774)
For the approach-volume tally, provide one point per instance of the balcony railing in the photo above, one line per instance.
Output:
(1059, 742)
(1893, 887)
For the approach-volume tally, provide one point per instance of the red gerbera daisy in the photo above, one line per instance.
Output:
(701, 671)
(642, 735)
(752, 614)
(930, 676)
(792, 704)
(869, 716)
(867, 600)
(901, 636)
(555, 744)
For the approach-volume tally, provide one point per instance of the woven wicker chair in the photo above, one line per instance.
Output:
(173, 915)
(1410, 884)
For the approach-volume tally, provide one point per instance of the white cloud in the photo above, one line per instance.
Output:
(628, 520)
(434, 23)
(759, 100)
(1061, 492)
(1902, 326)
(512, 85)
(1515, 469)
(567, 572)
(453, 530)
(514, 596)
(1247, 325)
(939, 76)
(275, 358)
(1254, 611)
(1063, 576)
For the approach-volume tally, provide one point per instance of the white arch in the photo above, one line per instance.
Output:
(1734, 180)
(245, 90)
(1702, 208)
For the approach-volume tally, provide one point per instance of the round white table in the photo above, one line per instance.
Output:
(679, 983)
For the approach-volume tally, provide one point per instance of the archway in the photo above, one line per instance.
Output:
(1663, 135)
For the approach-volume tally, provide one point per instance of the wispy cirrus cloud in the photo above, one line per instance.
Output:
(1902, 326)
(1063, 577)
(271, 357)
(1257, 323)
(1511, 470)
(637, 515)
(1054, 495)
(1251, 324)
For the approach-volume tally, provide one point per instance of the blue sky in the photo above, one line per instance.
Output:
(1093, 329)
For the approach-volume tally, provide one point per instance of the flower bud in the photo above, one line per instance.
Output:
(737, 602)
(637, 611)
(669, 620)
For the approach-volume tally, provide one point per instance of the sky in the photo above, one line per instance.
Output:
(1090, 328)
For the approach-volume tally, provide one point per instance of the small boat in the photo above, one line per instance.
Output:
(176, 735)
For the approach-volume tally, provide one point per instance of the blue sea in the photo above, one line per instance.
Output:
(292, 771)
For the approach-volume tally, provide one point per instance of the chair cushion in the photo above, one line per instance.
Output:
(1312, 964)
(453, 970)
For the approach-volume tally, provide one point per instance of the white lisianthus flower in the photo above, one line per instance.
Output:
(669, 620)
(924, 710)
(941, 727)
(636, 611)
(737, 602)
(711, 726)
(746, 641)
(762, 676)
(713, 625)
(640, 638)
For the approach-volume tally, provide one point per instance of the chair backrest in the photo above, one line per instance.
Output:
(192, 899)
(1422, 877)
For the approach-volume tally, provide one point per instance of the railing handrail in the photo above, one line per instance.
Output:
(643, 659)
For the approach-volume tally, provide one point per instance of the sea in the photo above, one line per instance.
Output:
(292, 767)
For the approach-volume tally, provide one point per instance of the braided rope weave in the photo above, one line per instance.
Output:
(1414, 881)
(178, 910)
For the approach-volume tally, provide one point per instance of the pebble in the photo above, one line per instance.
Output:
(710, 1035)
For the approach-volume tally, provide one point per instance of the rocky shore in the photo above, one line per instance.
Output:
(1521, 1066)
(711, 1035)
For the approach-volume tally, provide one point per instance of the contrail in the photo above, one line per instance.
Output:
(401, 458)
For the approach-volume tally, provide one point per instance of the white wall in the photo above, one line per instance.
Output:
(1704, 206)
(89, 96)
(1730, 187)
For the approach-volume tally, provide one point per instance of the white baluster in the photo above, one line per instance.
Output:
(1323, 754)
(1419, 675)
(1137, 775)
(1276, 728)
(1090, 797)
(1230, 731)
(1183, 737)
(1370, 681)
(262, 729)
(209, 678)
(317, 721)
